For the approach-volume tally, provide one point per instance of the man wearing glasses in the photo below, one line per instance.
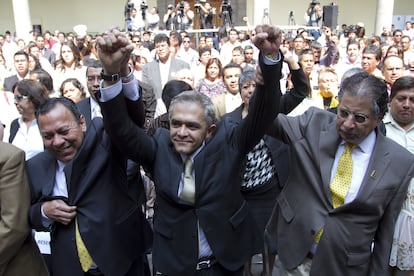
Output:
(186, 53)
(336, 213)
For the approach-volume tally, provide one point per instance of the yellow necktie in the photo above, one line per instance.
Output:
(342, 179)
(84, 256)
(340, 184)
(188, 191)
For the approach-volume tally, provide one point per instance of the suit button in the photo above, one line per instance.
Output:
(312, 232)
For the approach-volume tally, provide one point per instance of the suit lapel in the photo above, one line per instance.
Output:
(50, 174)
(328, 143)
(377, 167)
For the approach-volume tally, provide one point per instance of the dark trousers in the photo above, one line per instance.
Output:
(138, 268)
(215, 270)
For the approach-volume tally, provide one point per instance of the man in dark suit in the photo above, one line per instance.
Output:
(315, 235)
(206, 229)
(79, 188)
(89, 106)
(21, 64)
(45, 52)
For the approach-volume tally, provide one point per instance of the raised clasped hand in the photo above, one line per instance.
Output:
(268, 39)
(114, 51)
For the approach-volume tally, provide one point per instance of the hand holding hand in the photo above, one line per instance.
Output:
(59, 211)
(268, 39)
(114, 52)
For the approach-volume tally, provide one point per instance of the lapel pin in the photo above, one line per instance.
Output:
(373, 174)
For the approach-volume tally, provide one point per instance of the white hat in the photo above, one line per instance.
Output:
(80, 30)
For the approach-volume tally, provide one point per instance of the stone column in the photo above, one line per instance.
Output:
(385, 10)
(22, 19)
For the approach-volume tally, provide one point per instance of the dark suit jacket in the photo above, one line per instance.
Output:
(305, 204)
(9, 82)
(110, 218)
(151, 74)
(84, 107)
(219, 207)
(49, 55)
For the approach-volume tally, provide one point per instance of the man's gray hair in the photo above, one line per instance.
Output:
(200, 99)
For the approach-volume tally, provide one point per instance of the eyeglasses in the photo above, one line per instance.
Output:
(20, 60)
(358, 117)
(18, 98)
(93, 78)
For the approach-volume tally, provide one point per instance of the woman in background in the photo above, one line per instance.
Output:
(212, 85)
(24, 131)
(69, 65)
(72, 89)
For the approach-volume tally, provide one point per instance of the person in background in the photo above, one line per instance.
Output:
(392, 70)
(24, 131)
(266, 167)
(156, 73)
(249, 55)
(153, 20)
(72, 88)
(399, 123)
(328, 89)
(44, 51)
(371, 58)
(206, 14)
(199, 70)
(212, 84)
(18, 250)
(21, 64)
(46, 79)
(314, 16)
(230, 99)
(69, 65)
(227, 48)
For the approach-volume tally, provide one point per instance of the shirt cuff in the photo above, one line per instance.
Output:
(110, 92)
(130, 90)
(268, 60)
(46, 222)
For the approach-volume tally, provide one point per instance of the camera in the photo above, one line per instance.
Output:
(225, 6)
(181, 7)
(197, 4)
(143, 5)
(314, 3)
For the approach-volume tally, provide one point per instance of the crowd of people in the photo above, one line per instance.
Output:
(205, 152)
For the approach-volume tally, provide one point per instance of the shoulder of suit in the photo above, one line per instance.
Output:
(9, 149)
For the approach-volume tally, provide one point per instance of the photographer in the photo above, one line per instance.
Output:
(184, 17)
(136, 22)
(169, 18)
(153, 20)
(313, 16)
(206, 13)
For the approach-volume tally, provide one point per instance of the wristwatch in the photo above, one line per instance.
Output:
(113, 77)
